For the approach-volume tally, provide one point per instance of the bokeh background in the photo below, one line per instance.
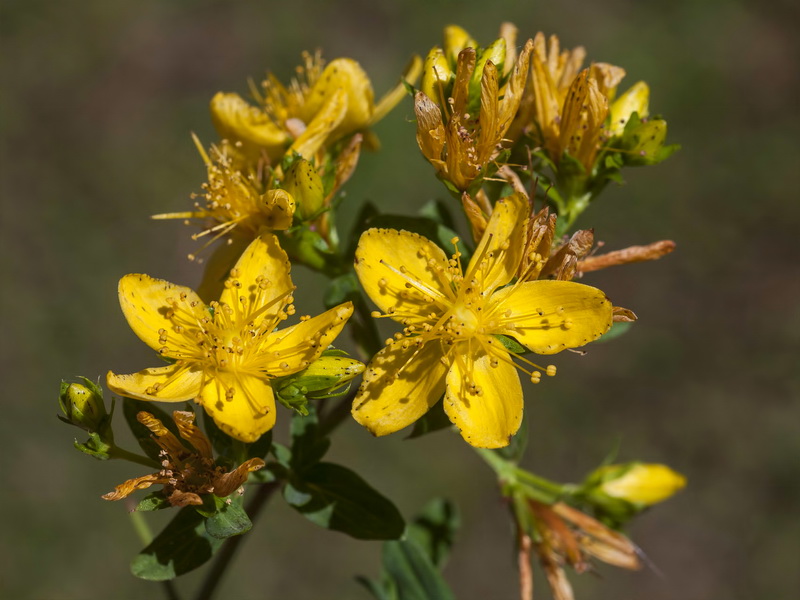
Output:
(98, 100)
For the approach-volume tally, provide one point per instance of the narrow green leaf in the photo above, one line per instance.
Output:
(414, 575)
(511, 344)
(182, 546)
(617, 329)
(336, 498)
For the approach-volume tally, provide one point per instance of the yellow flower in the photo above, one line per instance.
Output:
(322, 104)
(226, 352)
(460, 127)
(185, 474)
(641, 483)
(237, 199)
(451, 320)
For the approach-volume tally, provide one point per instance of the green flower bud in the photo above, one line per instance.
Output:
(83, 405)
(321, 379)
(436, 76)
(496, 52)
(303, 183)
(646, 143)
(634, 100)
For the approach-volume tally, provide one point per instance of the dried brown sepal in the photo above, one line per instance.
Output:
(185, 474)
(631, 254)
(623, 315)
(563, 263)
(475, 216)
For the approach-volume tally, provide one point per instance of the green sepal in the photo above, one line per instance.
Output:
(153, 501)
(224, 517)
(182, 546)
(94, 446)
(618, 328)
(336, 498)
(516, 447)
(511, 344)
(308, 247)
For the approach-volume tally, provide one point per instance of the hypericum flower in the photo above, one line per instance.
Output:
(237, 199)
(465, 109)
(187, 473)
(451, 320)
(321, 104)
(568, 536)
(226, 352)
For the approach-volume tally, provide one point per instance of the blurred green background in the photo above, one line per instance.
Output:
(99, 98)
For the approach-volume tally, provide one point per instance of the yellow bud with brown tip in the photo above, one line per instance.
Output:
(304, 185)
(635, 100)
(641, 483)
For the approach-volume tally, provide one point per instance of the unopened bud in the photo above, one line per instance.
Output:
(496, 53)
(455, 40)
(648, 140)
(303, 184)
(83, 405)
(641, 483)
(634, 100)
(436, 75)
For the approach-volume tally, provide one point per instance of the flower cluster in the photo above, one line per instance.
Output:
(499, 124)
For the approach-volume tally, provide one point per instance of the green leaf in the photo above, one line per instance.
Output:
(144, 437)
(433, 420)
(340, 289)
(414, 575)
(153, 501)
(617, 329)
(225, 517)
(182, 546)
(336, 498)
(308, 447)
(381, 590)
(435, 528)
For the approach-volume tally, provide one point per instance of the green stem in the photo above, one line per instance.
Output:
(121, 453)
(146, 536)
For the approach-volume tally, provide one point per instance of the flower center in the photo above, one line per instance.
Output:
(464, 321)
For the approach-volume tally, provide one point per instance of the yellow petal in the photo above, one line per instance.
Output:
(218, 265)
(235, 119)
(483, 401)
(344, 74)
(402, 272)
(286, 351)
(243, 406)
(175, 383)
(146, 303)
(322, 125)
(550, 316)
(387, 401)
(262, 275)
(497, 256)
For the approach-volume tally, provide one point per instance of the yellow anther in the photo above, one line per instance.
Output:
(551, 370)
